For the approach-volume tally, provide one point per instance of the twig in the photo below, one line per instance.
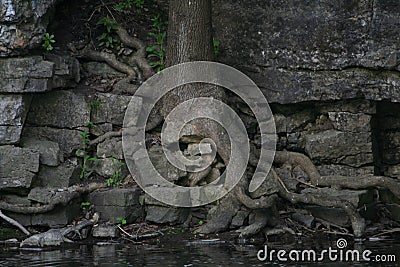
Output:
(125, 232)
(307, 184)
(276, 176)
(386, 232)
(15, 223)
(338, 233)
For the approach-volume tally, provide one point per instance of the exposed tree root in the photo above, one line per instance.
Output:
(105, 137)
(108, 58)
(261, 203)
(139, 57)
(357, 222)
(297, 159)
(60, 198)
(260, 222)
(361, 182)
(15, 223)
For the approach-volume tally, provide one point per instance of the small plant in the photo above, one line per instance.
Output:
(124, 5)
(201, 222)
(157, 51)
(85, 204)
(85, 138)
(216, 45)
(116, 178)
(90, 124)
(85, 170)
(106, 38)
(48, 40)
(121, 220)
(94, 105)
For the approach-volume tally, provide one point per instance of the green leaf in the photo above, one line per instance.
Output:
(152, 55)
(151, 48)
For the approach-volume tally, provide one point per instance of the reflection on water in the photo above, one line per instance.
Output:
(176, 254)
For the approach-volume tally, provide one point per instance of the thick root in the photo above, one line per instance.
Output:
(60, 198)
(361, 182)
(357, 222)
(260, 221)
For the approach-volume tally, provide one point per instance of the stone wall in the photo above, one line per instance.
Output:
(330, 70)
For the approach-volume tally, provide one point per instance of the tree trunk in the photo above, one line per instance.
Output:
(189, 31)
(190, 39)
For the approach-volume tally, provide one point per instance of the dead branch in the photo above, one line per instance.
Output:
(14, 222)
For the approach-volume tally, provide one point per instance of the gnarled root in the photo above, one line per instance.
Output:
(361, 182)
(260, 221)
(357, 222)
(60, 198)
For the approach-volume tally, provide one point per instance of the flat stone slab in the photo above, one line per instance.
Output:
(68, 140)
(166, 215)
(14, 109)
(111, 108)
(61, 109)
(118, 203)
(10, 135)
(335, 147)
(25, 75)
(62, 176)
(105, 231)
(18, 167)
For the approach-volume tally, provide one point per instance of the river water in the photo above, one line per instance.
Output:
(189, 254)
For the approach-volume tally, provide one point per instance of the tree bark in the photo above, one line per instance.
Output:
(189, 31)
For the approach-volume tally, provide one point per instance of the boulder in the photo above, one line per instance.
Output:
(163, 166)
(105, 231)
(59, 217)
(25, 75)
(118, 203)
(332, 146)
(111, 108)
(66, 71)
(68, 140)
(109, 167)
(110, 148)
(15, 108)
(18, 167)
(10, 135)
(322, 51)
(50, 153)
(62, 176)
(350, 122)
(166, 215)
(61, 109)
(23, 24)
